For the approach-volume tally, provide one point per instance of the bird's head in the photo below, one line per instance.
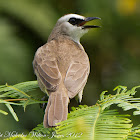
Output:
(73, 25)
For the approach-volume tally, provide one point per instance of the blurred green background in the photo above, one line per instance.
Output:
(114, 49)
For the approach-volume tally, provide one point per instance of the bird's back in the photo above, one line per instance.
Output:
(62, 69)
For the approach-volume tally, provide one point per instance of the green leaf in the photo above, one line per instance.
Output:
(6, 102)
(123, 98)
(18, 90)
(32, 101)
(91, 123)
(102, 95)
(19, 95)
(119, 88)
(135, 133)
(3, 112)
(12, 112)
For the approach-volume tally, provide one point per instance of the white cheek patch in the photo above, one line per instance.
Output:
(75, 32)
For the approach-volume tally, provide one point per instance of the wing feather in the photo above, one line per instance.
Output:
(76, 78)
(46, 68)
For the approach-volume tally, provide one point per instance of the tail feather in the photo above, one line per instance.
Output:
(58, 113)
(45, 121)
(56, 110)
(50, 112)
(65, 103)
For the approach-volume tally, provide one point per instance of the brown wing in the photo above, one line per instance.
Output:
(76, 76)
(46, 69)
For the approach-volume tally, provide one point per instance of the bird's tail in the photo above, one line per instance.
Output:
(57, 109)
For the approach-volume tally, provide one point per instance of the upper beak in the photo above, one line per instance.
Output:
(87, 20)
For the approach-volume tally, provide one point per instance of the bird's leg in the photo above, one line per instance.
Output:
(43, 105)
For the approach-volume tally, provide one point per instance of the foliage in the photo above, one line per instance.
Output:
(84, 122)
(17, 95)
(97, 122)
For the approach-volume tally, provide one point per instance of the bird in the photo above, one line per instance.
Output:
(62, 66)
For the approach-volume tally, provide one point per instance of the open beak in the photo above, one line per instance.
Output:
(87, 20)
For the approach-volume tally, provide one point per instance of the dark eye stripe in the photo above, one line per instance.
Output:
(75, 21)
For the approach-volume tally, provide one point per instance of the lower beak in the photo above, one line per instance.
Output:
(87, 20)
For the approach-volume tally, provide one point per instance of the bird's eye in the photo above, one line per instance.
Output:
(73, 21)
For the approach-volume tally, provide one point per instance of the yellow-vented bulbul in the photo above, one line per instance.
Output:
(62, 66)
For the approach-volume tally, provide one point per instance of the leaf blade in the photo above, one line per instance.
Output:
(12, 112)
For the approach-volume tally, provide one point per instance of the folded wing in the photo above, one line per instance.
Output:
(76, 78)
(46, 69)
